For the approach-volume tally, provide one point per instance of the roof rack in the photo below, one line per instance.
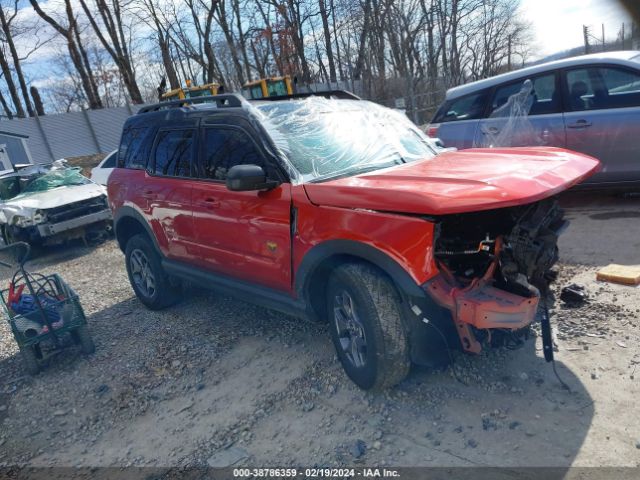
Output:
(339, 94)
(223, 100)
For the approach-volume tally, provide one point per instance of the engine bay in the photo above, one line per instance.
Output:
(516, 246)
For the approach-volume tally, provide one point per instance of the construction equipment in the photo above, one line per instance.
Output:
(268, 87)
(192, 91)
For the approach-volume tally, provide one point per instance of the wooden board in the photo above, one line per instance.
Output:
(625, 274)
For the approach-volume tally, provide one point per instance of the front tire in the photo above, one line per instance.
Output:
(366, 326)
(146, 275)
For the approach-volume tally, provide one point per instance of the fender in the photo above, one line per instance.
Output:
(325, 250)
(130, 212)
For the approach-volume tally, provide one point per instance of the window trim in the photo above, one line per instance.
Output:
(558, 86)
(565, 85)
(151, 163)
(226, 126)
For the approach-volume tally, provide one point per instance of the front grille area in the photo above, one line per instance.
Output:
(76, 209)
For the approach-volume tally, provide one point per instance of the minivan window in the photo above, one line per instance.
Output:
(225, 148)
(133, 152)
(544, 100)
(598, 88)
(469, 107)
(173, 153)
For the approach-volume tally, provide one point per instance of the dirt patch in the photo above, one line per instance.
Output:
(86, 163)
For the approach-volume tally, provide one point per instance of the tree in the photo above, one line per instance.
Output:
(77, 53)
(115, 41)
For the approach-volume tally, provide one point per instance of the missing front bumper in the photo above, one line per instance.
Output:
(483, 307)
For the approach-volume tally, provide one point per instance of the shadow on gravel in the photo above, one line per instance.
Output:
(193, 377)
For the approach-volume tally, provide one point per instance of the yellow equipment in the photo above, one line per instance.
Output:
(267, 87)
(193, 91)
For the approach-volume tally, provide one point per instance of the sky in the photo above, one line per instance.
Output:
(558, 24)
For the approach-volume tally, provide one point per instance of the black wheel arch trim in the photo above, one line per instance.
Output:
(130, 212)
(330, 248)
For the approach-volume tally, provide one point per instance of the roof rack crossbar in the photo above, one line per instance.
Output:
(340, 94)
(223, 100)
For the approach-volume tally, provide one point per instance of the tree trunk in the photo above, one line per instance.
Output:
(327, 40)
(16, 60)
(37, 101)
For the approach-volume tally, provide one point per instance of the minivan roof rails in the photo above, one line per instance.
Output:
(224, 100)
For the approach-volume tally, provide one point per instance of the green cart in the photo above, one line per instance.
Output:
(42, 310)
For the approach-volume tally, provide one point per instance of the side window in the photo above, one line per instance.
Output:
(581, 88)
(623, 87)
(226, 147)
(173, 153)
(133, 152)
(543, 97)
(468, 107)
(603, 87)
(110, 162)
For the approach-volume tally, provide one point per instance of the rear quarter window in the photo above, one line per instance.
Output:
(134, 148)
(469, 107)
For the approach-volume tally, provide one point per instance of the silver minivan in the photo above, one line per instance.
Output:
(590, 104)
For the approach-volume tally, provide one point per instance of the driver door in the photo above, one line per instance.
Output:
(245, 235)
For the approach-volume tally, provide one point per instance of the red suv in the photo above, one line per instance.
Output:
(340, 210)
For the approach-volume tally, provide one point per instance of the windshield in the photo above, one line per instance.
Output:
(330, 138)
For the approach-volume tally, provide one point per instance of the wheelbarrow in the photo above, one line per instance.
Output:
(42, 310)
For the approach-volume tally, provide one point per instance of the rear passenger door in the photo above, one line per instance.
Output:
(522, 113)
(166, 191)
(602, 119)
(246, 235)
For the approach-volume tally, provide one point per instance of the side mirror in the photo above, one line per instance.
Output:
(243, 178)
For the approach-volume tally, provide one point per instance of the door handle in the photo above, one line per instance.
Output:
(580, 124)
(490, 130)
(210, 203)
(148, 194)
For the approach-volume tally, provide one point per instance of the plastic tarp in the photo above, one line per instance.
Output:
(509, 125)
(326, 138)
(53, 179)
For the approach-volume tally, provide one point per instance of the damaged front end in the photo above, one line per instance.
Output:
(45, 205)
(493, 267)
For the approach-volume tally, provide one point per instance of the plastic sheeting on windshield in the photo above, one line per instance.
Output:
(56, 177)
(327, 138)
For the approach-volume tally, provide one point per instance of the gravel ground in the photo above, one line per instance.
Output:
(215, 381)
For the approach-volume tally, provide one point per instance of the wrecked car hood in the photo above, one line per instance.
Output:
(55, 197)
(463, 181)
(27, 205)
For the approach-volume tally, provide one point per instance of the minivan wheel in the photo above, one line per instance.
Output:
(149, 281)
(366, 326)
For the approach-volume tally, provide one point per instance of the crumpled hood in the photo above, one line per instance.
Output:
(462, 181)
(26, 205)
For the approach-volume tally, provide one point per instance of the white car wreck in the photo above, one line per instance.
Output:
(49, 204)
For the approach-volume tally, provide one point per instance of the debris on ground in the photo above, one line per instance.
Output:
(624, 274)
(573, 294)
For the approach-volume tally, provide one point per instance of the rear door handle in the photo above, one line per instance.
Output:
(580, 124)
(490, 130)
(148, 194)
(210, 203)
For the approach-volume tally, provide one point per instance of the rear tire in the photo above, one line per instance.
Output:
(146, 275)
(30, 359)
(366, 326)
(82, 337)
